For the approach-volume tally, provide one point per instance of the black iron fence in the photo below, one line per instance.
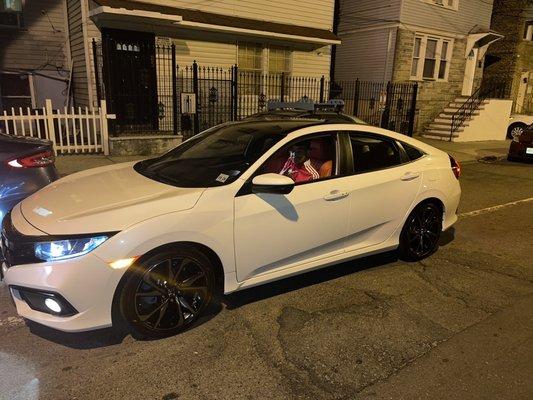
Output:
(193, 98)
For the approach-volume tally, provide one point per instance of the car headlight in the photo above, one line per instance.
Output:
(63, 249)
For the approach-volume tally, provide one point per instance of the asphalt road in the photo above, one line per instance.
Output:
(457, 326)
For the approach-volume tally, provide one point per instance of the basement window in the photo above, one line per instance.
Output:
(15, 91)
(11, 13)
(449, 4)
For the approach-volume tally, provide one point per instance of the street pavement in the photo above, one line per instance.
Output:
(458, 325)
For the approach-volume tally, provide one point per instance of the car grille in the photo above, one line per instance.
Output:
(16, 247)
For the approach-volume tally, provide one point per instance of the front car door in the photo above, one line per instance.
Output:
(274, 232)
(383, 187)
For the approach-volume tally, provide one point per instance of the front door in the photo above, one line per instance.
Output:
(274, 232)
(130, 77)
(470, 73)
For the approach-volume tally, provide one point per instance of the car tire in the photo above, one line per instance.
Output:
(421, 232)
(167, 292)
(515, 129)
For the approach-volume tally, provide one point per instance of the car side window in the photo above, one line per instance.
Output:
(412, 152)
(305, 160)
(371, 153)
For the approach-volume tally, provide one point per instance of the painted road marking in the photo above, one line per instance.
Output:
(494, 208)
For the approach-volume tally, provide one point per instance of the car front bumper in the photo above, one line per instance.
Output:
(87, 283)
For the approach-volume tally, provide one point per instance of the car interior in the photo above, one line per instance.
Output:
(320, 152)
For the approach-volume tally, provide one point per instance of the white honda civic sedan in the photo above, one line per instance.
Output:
(151, 244)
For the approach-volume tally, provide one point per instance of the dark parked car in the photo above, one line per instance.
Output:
(26, 165)
(521, 148)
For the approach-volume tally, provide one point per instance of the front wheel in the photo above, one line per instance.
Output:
(167, 292)
(421, 232)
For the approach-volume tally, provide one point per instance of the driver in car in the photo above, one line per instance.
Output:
(299, 166)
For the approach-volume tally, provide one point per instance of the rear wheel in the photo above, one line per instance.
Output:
(515, 130)
(421, 232)
(167, 292)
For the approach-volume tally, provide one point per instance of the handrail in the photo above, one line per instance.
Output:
(496, 90)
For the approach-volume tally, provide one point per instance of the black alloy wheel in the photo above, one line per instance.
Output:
(167, 292)
(421, 232)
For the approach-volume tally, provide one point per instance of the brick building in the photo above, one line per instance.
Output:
(511, 59)
(440, 44)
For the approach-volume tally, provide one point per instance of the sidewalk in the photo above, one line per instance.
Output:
(69, 164)
(462, 152)
(470, 151)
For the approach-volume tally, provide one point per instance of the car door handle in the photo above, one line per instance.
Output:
(409, 176)
(336, 195)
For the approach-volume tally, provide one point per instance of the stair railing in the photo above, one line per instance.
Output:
(497, 90)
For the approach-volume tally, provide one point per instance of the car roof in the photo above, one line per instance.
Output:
(324, 115)
(282, 126)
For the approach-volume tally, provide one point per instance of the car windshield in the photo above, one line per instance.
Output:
(217, 156)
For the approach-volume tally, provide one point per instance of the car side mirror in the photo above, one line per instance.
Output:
(272, 183)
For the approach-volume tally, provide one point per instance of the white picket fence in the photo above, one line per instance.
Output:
(71, 130)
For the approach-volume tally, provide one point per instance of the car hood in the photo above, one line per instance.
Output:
(103, 199)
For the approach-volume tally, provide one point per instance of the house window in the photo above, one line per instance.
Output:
(15, 91)
(279, 60)
(450, 4)
(431, 58)
(528, 33)
(250, 57)
(11, 13)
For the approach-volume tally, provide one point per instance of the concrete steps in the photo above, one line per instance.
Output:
(441, 126)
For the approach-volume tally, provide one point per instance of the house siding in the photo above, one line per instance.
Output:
(354, 60)
(470, 14)
(357, 14)
(37, 46)
(315, 14)
(78, 52)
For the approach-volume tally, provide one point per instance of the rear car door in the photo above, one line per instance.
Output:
(384, 184)
(274, 232)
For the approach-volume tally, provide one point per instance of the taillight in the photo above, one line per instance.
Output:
(33, 161)
(456, 168)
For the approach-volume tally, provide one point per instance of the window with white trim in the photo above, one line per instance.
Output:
(11, 13)
(431, 58)
(450, 4)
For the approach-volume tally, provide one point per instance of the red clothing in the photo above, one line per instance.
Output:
(307, 171)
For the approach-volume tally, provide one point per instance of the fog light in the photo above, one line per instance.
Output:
(52, 305)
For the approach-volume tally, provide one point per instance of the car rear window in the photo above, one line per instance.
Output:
(412, 152)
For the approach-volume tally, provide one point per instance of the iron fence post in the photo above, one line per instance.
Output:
(174, 92)
(412, 111)
(196, 97)
(322, 89)
(356, 98)
(386, 112)
(235, 91)
(282, 92)
(96, 72)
